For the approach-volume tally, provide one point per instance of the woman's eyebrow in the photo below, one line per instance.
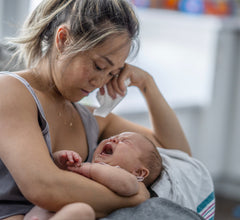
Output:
(110, 62)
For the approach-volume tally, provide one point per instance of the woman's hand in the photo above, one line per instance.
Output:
(136, 75)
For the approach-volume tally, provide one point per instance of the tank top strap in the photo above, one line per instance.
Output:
(42, 118)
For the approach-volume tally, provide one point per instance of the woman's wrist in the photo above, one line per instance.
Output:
(147, 83)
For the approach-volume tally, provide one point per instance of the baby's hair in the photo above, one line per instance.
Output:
(153, 163)
(90, 23)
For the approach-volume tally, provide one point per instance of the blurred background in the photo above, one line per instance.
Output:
(191, 47)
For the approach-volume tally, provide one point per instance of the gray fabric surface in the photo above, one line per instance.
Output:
(154, 209)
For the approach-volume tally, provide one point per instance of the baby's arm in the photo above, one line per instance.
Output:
(117, 179)
(66, 158)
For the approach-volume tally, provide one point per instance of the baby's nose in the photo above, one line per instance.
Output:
(114, 140)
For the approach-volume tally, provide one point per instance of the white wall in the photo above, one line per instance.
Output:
(213, 139)
(1, 17)
(232, 167)
(12, 15)
(229, 182)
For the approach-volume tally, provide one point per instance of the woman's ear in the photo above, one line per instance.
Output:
(62, 38)
(141, 173)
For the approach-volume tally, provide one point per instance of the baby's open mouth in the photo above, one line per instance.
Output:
(107, 149)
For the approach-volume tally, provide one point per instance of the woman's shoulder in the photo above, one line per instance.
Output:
(14, 92)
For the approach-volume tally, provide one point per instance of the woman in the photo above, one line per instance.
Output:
(71, 47)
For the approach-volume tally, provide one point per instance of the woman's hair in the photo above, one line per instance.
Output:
(90, 23)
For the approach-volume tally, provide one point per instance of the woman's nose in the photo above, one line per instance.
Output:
(98, 81)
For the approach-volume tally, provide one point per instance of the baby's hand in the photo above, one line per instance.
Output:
(70, 158)
(66, 158)
(84, 169)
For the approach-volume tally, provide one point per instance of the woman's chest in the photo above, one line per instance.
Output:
(68, 136)
(66, 128)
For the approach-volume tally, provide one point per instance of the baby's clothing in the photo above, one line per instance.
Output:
(186, 181)
(12, 202)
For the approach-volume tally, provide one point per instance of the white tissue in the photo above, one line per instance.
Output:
(107, 104)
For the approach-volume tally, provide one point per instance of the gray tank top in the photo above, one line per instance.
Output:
(12, 202)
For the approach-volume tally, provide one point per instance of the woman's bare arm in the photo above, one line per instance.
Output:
(24, 152)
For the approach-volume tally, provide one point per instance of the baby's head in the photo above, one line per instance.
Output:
(132, 152)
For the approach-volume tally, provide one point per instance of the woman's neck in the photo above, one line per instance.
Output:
(41, 79)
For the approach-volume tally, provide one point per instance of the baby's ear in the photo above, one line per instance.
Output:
(141, 173)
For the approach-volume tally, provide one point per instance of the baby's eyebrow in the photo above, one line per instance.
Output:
(126, 139)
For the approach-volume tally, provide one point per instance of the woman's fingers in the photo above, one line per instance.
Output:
(117, 84)
(114, 87)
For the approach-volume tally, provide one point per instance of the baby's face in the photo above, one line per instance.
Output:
(122, 150)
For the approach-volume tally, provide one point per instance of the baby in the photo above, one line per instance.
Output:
(119, 163)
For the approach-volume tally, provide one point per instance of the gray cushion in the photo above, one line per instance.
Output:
(154, 209)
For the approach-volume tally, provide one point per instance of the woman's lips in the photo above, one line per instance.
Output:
(86, 93)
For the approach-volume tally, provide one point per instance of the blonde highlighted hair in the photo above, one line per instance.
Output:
(90, 23)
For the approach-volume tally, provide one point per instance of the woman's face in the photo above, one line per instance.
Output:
(122, 150)
(75, 78)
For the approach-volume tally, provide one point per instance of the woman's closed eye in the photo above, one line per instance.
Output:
(98, 67)
(111, 74)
